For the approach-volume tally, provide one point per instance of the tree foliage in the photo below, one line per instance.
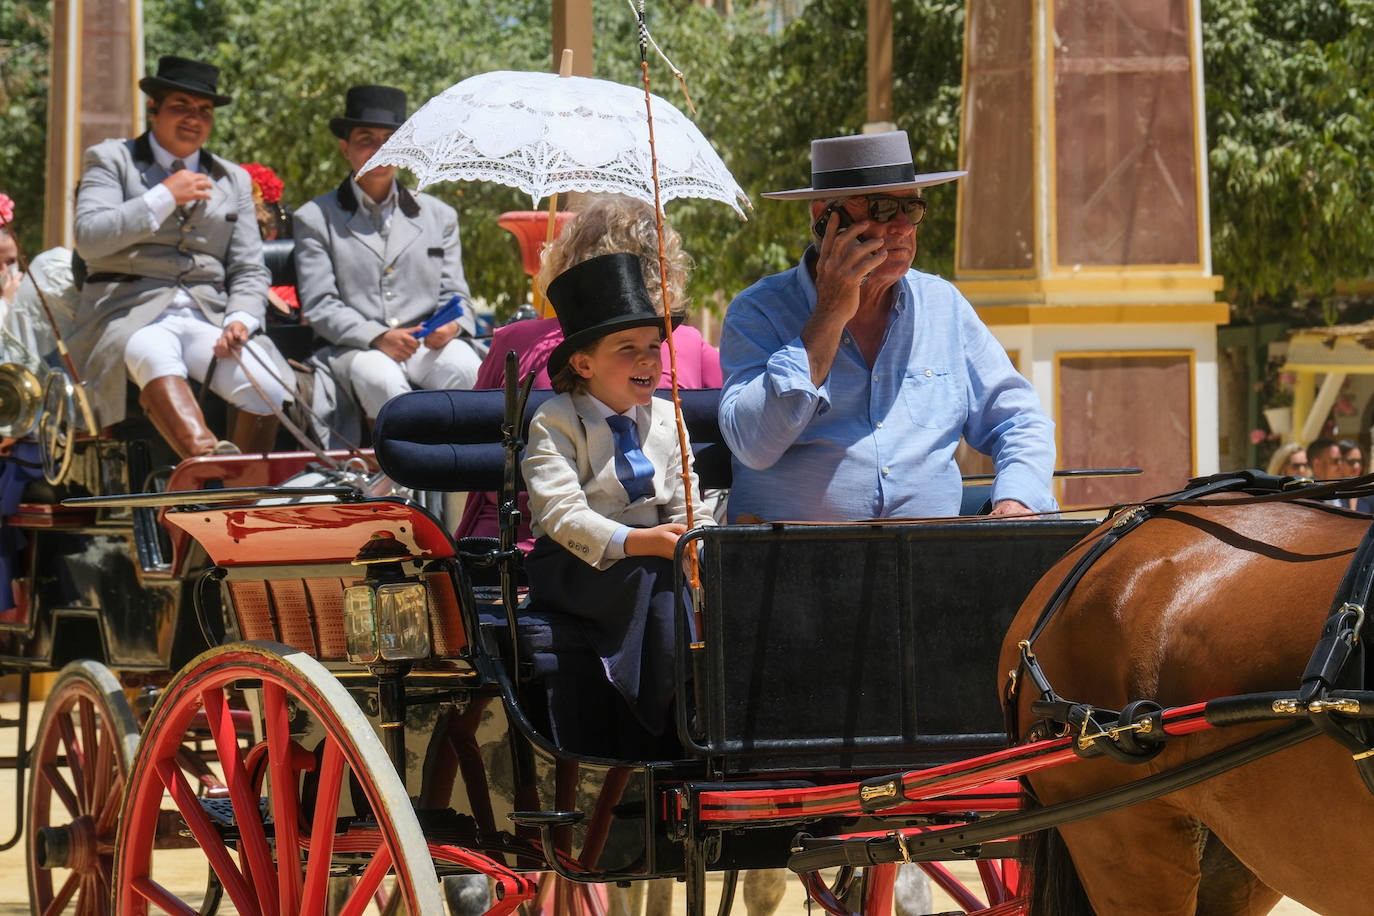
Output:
(1290, 123)
(24, 39)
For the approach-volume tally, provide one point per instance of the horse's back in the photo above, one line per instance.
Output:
(1197, 602)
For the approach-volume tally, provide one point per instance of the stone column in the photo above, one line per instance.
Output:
(96, 63)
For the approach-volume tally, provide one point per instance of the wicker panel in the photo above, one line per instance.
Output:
(293, 614)
(253, 609)
(446, 623)
(326, 601)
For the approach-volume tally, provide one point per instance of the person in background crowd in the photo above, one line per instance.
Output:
(375, 261)
(9, 251)
(1289, 460)
(1325, 456)
(175, 274)
(274, 222)
(608, 224)
(1352, 459)
(850, 378)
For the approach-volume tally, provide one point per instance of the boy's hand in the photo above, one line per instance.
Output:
(657, 541)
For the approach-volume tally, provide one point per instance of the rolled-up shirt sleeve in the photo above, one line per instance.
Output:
(1006, 420)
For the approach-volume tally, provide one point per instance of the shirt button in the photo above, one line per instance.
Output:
(845, 339)
(393, 322)
(389, 271)
(875, 378)
(928, 373)
(390, 294)
(880, 424)
(884, 472)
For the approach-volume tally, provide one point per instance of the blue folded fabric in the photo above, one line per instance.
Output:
(452, 311)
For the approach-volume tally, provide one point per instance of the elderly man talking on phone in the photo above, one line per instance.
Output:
(850, 378)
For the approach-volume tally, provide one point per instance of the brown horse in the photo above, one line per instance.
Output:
(1202, 602)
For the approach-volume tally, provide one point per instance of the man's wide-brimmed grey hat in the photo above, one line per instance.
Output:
(863, 164)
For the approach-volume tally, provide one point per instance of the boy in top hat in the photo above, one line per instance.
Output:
(175, 273)
(374, 260)
(850, 379)
(604, 473)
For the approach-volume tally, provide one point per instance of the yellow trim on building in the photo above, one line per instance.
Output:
(1170, 313)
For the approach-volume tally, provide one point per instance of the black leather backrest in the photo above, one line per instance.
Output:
(281, 263)
(451, 440)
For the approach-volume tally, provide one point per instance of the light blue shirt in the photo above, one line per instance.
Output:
(873, 442)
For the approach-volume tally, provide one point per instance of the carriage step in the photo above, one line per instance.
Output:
(221, 813)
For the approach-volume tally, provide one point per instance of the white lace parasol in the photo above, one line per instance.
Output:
(546, 134)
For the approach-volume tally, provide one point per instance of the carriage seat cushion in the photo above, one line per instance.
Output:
(281, 264)
(451, 440)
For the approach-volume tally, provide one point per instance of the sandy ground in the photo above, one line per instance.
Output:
(188, 872)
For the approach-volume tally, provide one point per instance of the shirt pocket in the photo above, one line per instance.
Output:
(934, 398)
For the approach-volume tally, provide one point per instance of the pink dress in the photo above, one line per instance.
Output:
(698, 366)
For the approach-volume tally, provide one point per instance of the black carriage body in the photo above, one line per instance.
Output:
(862, 646)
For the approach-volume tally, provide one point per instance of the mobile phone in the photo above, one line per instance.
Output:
(845, 222)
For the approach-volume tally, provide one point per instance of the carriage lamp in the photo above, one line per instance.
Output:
(388, 622)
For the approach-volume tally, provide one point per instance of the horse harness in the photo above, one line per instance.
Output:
(1332, 695)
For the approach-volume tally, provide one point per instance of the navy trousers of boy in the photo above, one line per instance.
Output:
(627, 615)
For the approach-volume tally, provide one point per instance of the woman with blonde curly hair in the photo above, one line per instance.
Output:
(609, 224)
(1289, 459)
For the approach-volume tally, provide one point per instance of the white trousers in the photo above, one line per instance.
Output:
(181, 342)
(377, 378)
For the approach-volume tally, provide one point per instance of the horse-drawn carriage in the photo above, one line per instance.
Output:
(349, 704)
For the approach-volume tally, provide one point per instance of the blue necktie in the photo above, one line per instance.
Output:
(633, 468)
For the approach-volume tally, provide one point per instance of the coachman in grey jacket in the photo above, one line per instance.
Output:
(374, 261)
(207, 255)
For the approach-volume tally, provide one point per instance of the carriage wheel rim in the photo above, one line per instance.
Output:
(73, 809)
(255, 879)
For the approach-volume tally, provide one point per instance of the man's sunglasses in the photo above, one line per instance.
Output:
(882, 209)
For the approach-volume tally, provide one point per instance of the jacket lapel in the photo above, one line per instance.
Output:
(360, 224)
(600, 447)
(357, 222)
(404, 232)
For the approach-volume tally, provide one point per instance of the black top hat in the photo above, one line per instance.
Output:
(181, 74)
(863, 164)
(597, 297)
(370, 106)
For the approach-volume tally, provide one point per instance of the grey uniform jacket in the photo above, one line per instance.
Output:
(576, 497)
(213, 251)
(355, 285)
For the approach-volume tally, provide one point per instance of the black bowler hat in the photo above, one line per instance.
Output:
(370, 106)
(597, 297)
(181, 74)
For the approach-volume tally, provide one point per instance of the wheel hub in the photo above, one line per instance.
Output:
(71, 846)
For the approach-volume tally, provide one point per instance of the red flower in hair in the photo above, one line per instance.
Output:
(6, 208)
(269, 185)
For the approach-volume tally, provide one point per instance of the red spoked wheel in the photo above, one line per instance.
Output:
(80, 759)
(273, 854)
